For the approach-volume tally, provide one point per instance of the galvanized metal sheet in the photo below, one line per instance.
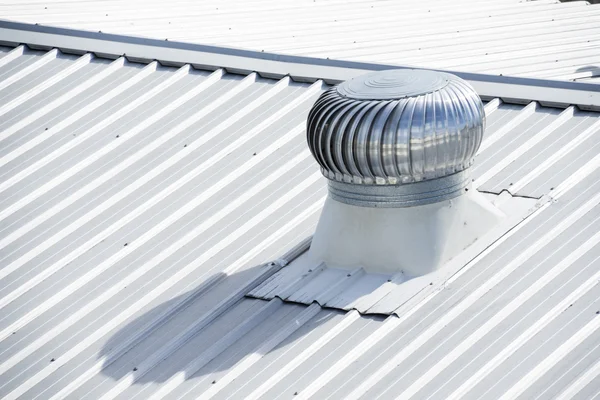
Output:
(543, 38)
(125, 260)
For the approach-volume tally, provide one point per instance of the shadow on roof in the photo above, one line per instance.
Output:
(593, 69)
(179, 340)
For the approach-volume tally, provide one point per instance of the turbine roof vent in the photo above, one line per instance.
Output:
(380, 137)
(401, 215)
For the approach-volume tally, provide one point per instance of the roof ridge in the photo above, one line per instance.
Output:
(519, 90)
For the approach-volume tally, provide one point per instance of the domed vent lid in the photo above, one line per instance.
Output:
(396, 127)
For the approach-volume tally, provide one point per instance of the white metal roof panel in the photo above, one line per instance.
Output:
(125, 260)
(542, 38)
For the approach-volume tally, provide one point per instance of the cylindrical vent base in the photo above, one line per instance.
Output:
(393, 196)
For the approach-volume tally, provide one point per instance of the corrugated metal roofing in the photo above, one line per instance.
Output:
(542, 38)
(140, 203)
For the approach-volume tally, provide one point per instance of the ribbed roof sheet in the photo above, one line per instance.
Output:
(541, 38)
(141, 203)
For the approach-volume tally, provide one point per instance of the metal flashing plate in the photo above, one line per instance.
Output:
(372, 293)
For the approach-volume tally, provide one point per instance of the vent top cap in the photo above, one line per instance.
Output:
(396, 127)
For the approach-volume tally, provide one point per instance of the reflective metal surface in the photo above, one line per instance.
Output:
(394, 196)
(165, 315)
(541, 38)
(396, 127)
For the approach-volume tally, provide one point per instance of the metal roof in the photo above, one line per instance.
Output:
(141, 203)
(300, 69)
(541, 38)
